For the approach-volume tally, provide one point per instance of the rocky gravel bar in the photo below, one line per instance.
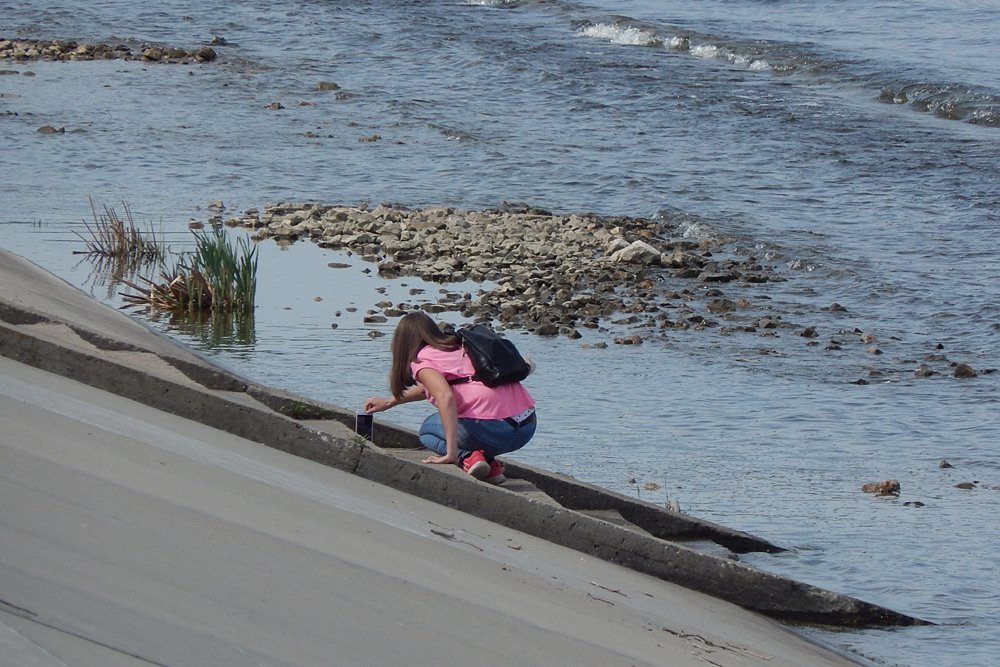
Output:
(21, 50)
(550, 274)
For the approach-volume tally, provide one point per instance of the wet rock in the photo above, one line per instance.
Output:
(965, 371)
(889, 487)
(944, 464)
(716, 277)
(687, 273)
(923, 371)
(48, 129)
(327, 85)
(634, 339)
(966, 486)
(835, 308)
(809, 332)
(913, 503)
(547, 330)
(720, 306)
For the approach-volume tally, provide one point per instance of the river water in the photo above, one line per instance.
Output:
(853, 146)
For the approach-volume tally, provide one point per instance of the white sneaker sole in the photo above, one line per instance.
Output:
(479, 470)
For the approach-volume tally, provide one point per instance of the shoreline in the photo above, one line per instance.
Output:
(46, 323)
(642, 536)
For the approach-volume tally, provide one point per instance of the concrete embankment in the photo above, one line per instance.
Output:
(49, 325)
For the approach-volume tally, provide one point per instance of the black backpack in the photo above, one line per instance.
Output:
(495, 359)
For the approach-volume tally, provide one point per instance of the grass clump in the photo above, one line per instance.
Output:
(217, 277)
(119, 240)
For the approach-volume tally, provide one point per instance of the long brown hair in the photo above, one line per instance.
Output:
(414, 331)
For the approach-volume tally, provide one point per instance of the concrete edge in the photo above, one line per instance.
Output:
(776, 596)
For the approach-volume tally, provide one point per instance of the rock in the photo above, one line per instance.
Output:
(48, 129)
(923, 371)
(721, 306)
(638, 252)
(966, 486)
(944, 464)
(547, 330)
(965, 371)
(715, 277)
(889, 487)
(327, 85)
(809, 332)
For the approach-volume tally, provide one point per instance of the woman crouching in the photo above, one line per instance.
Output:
(474, 423)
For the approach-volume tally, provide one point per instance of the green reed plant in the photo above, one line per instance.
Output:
(217, 277)
(229, 271)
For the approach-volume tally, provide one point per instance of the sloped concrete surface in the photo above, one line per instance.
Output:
(111, 352)
(135, 537)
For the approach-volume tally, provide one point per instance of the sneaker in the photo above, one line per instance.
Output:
(475, 464)
(495, 475)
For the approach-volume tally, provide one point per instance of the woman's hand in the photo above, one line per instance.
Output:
(378, 404)
(441, 459)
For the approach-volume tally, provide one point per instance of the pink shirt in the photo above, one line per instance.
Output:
(474, 400)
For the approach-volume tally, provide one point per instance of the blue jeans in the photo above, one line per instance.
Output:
(491, 436)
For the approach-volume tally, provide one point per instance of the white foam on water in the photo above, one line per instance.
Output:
(705, 51)
(625, 35)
